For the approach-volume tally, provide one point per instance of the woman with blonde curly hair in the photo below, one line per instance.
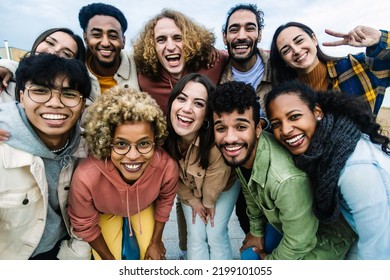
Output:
(127, 175)
(170, 46)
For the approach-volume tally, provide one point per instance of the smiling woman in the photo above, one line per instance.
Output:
(124, 132)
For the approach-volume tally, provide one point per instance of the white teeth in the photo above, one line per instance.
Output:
(184, 119)
(301, 57)
(53, 117)
(231, 149)
(173, 56)
(132, 166)
(293, 140)
(241, 47)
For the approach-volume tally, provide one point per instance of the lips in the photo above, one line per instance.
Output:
(232, 150)
(302, 57)
(134, 167)
(173, 59)
(295, 141)
(54, 120)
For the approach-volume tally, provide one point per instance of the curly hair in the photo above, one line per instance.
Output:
(336, 103)
(197, 44)
(89, 11)
(248, 7)
(115, 107)
(236, 96)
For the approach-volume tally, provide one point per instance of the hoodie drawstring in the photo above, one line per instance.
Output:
(128, 211)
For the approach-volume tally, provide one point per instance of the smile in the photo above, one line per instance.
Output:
(132, 167)
(53, 116)
(295, 140)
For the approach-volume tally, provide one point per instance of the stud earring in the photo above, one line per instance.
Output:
(319, 118)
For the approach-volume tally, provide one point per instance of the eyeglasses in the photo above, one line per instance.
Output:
(122, 147)
(41, 94)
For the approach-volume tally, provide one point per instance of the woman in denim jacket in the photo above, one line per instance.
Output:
(336, 140)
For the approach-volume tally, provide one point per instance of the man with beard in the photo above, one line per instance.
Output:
(277, 193)
(242, 32)
(247, 63)
(108, 63)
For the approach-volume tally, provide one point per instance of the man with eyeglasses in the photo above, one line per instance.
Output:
(37, 162)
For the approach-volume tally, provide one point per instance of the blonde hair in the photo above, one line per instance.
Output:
(115, 107)
(198, 42)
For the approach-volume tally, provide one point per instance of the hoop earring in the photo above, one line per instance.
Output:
(206, 124)
(267, 124)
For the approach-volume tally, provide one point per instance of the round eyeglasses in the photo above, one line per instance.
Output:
(122, 147)
(41, 94)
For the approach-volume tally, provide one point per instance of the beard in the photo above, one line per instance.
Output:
(106, 64)
(240, 58)
(233, 161)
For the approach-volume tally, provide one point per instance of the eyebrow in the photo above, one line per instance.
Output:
(237, 120)
(294, 39)
(196, 98)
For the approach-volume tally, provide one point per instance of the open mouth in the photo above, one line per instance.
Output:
(134, 167)
(54, 119)
(295, 141)
(302, 57)
(232, 150)
(185, 120)
(173, 59)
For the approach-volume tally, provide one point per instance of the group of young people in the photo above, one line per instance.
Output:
(97, 143)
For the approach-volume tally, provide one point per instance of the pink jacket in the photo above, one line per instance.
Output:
(97, 187)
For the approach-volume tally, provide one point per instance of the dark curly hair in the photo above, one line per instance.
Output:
(336, 103)
(248, 7)
(91, 10)
(236, 96)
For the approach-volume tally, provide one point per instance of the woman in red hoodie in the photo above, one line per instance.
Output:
(127, 175)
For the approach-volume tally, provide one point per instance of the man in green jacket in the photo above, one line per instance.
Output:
(276, 192)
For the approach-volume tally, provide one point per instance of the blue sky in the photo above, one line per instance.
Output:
(23, 20)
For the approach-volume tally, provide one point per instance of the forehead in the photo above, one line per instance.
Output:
(196, 90)
(166, 25)
(134, 131)
(104, 23)
(231, 119)
(289, 34)
(242, 17)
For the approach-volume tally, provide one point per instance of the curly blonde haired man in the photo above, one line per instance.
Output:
(127, 175)
(170, 46)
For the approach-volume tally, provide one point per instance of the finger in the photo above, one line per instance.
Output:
(334, 43)
(335, 33)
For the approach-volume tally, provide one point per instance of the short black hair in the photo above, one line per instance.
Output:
(91, 10)
(248, 7)
(43, 69)
(235, 96)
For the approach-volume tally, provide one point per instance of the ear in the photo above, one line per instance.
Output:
(123, 42)
(224, 38)
(85, 38)
(259, 129)
(318, 113)
(260, 36)
(314, 38)
(21, 96)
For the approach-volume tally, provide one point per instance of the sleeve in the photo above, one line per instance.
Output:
(382, 49)
(363, 187)
(84, 217)
(299, 225)
(216, 179)
(168, 191)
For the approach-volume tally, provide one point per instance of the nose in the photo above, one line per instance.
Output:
(295, 49)
(187, 106)
(170, 44)
(133, 153)
(286, 129)
(105, 40)
(55, 100)
(241, 33)
(230, 136)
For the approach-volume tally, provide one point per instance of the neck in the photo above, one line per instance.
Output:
(244, 66)
(104, 70)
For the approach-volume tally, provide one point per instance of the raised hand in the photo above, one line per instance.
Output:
(360, 36)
